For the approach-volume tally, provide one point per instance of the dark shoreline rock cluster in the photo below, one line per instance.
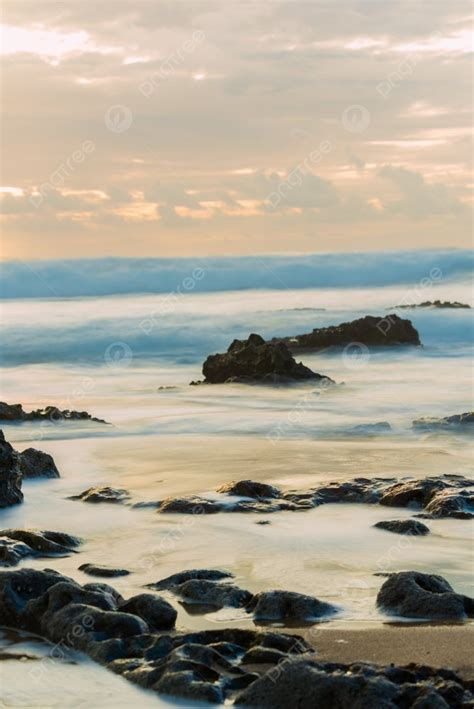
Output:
(15, 466)
(434, 497)
(371, 331)
(15, 413)
(255, 361)
(136, 638)
(18, 544)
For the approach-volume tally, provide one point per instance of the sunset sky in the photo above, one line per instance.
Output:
(203, 128)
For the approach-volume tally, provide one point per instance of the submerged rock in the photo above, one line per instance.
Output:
(409, 527)
(212, 593)
(288, 606)
(370, 429)
(190, 505)
(182, 576)
(103, 494)
(17, 544)
(16, 413)
(249, 488)
(254, 360)
(412, 594)
(10, 474)
(389, 330)
(104, 571)
(37, 464)
(457, 422)
(435, 304)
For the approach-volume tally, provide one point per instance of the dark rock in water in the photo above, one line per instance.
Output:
(182, 576)
(386, 331)
(359, 490)
(158, 613)
(451, 503)
(254, 360)
(104, 571)
(103, 494)
(249, 488)
(288, 606)
(438, 304)
(412, 594)
(10, 474)
(17, 544)
(190, 505)
(212, 593)
(414, 493)
(457, 422)
(409, 527)
(15, 413)
(263, 656)
(37, 464)
(370, 429)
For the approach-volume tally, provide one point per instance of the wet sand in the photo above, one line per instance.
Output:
(439, 646)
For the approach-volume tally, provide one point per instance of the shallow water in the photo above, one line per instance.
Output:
(183, 440)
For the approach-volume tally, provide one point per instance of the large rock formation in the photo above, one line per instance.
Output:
(10, 474)
(371, 331)
(37, 464)
(254, 360)
(16, 413)
(18, 544)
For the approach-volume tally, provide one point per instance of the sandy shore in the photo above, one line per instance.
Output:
(439, 646)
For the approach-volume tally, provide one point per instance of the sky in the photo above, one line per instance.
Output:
(189, 128)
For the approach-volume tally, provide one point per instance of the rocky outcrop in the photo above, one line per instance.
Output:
(103, 494)
(18, 544)
(255, 361)
(409, 527)
(457, 422)
(212, 594)
(249, 488)
(287, 606)
(412, 594)
(10, 474)
(103, 571)
(37, 464)
(182, 576)
(433, 304)
(386, 331)
(445, 496)
(16, 413)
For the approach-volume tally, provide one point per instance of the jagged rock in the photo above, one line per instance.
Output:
(419, 493)
(288, 606)
(182, 576)
(37, 464)
(457, 422)
(409, 527)
(371, 331)
(190, 505)
(433, 304)
(212, 593)
(254, 360)
(451, 503)
(413, 594)
(158, 613)
(10, 474)
(103, 571)
(103, 494)
(17, 544)
(249, 488)
(15, 412)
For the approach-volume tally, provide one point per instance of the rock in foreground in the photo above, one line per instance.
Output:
(16, 413)
(17, 544)
(254, 360)
(386, 331)
(10, 474)
(103, 571)
(409, 527)
(103, 494)
(37, 464)
(412, 594)
(287, 606)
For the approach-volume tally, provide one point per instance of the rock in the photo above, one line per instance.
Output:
(104, 571)
(254, 360)
(17, 544)
(182, 576)
(409, 527)
(451, 503)
(190, 505)
(370, 429)
(37, 464)
(249, 488)
(389, 330)
(103, 494)
(155, 611)
(15, 412)
(438, 304)
(288, 606)
(263, 656)
(457, 422)
(212, 593)
(10, 475)
(359, 490)
(413, 494)
(412, 594)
